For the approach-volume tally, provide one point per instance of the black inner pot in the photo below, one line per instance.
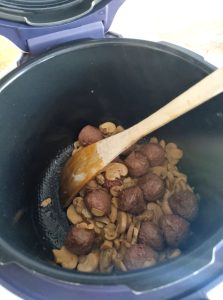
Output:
(43, 106)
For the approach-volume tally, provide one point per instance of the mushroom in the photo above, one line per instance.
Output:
(157, 211)
(65, 258)
(119, 129)
(108, 128)
(84, 225)
(121, 222)
(90, 264)
(113, 214)
(110, 232)
(105, 260)
(73, 216)
(46, 202)
(115, 171)
(106, 245)
(173, 153)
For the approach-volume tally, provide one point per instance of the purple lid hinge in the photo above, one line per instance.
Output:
(42, 43)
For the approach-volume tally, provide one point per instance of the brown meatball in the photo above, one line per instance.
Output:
(132, 201)
(98, 200)
(155, 154)
(175, 229)
(79, 241)
(152, 186)
(89, 135)
(137, 164)
(184, 204)
(151, 235)
(139, 256)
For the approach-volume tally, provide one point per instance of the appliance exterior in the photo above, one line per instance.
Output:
(30, 284)
(24, 282)
(36, 39)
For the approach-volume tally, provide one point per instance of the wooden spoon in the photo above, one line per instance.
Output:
(89, 161)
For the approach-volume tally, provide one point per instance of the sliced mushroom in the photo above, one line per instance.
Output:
(129, 182)
(99, 224)
(116, 190)
(160, 171)
(115, 201)
(73, 216)
(172, 253)
(46, 202)
(110, 232)
(119, 129)
(100, 179)
(173, 153)
(154, 140)
(163, 144)
(113, 214)
(78, 203)
(105, 260)
(130, 233)
(108, 128)
(157, 211)
(165, 204)
(117, 244)
(86, 214)
(90, 264)
(84, 225)
(106, 245)
(147, 215)
(115, 171)
(121, 222)
(135, 234)
(104, 220)
(92, 185)
(97, 212)
(65, 258)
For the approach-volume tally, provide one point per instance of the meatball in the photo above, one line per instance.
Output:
(184, 204)
(132, 201)
(137, 164)
(79, 241)
(89, 135)
(139, 256)
(151, 235)
(152, 186)
(155, 154)
(98, 202)
(175, 229)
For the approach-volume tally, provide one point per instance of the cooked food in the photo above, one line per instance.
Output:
(134, 214)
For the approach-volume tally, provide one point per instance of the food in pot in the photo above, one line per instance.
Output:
(140, 256)
(154, 153)
(89, 135)
(152, 186)
(151, 235)
(137, 164)
(98, 202)
(132, 201)
(175, 229)
(110, 183)
(79, 241)
(134, 214)
(184, 204)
